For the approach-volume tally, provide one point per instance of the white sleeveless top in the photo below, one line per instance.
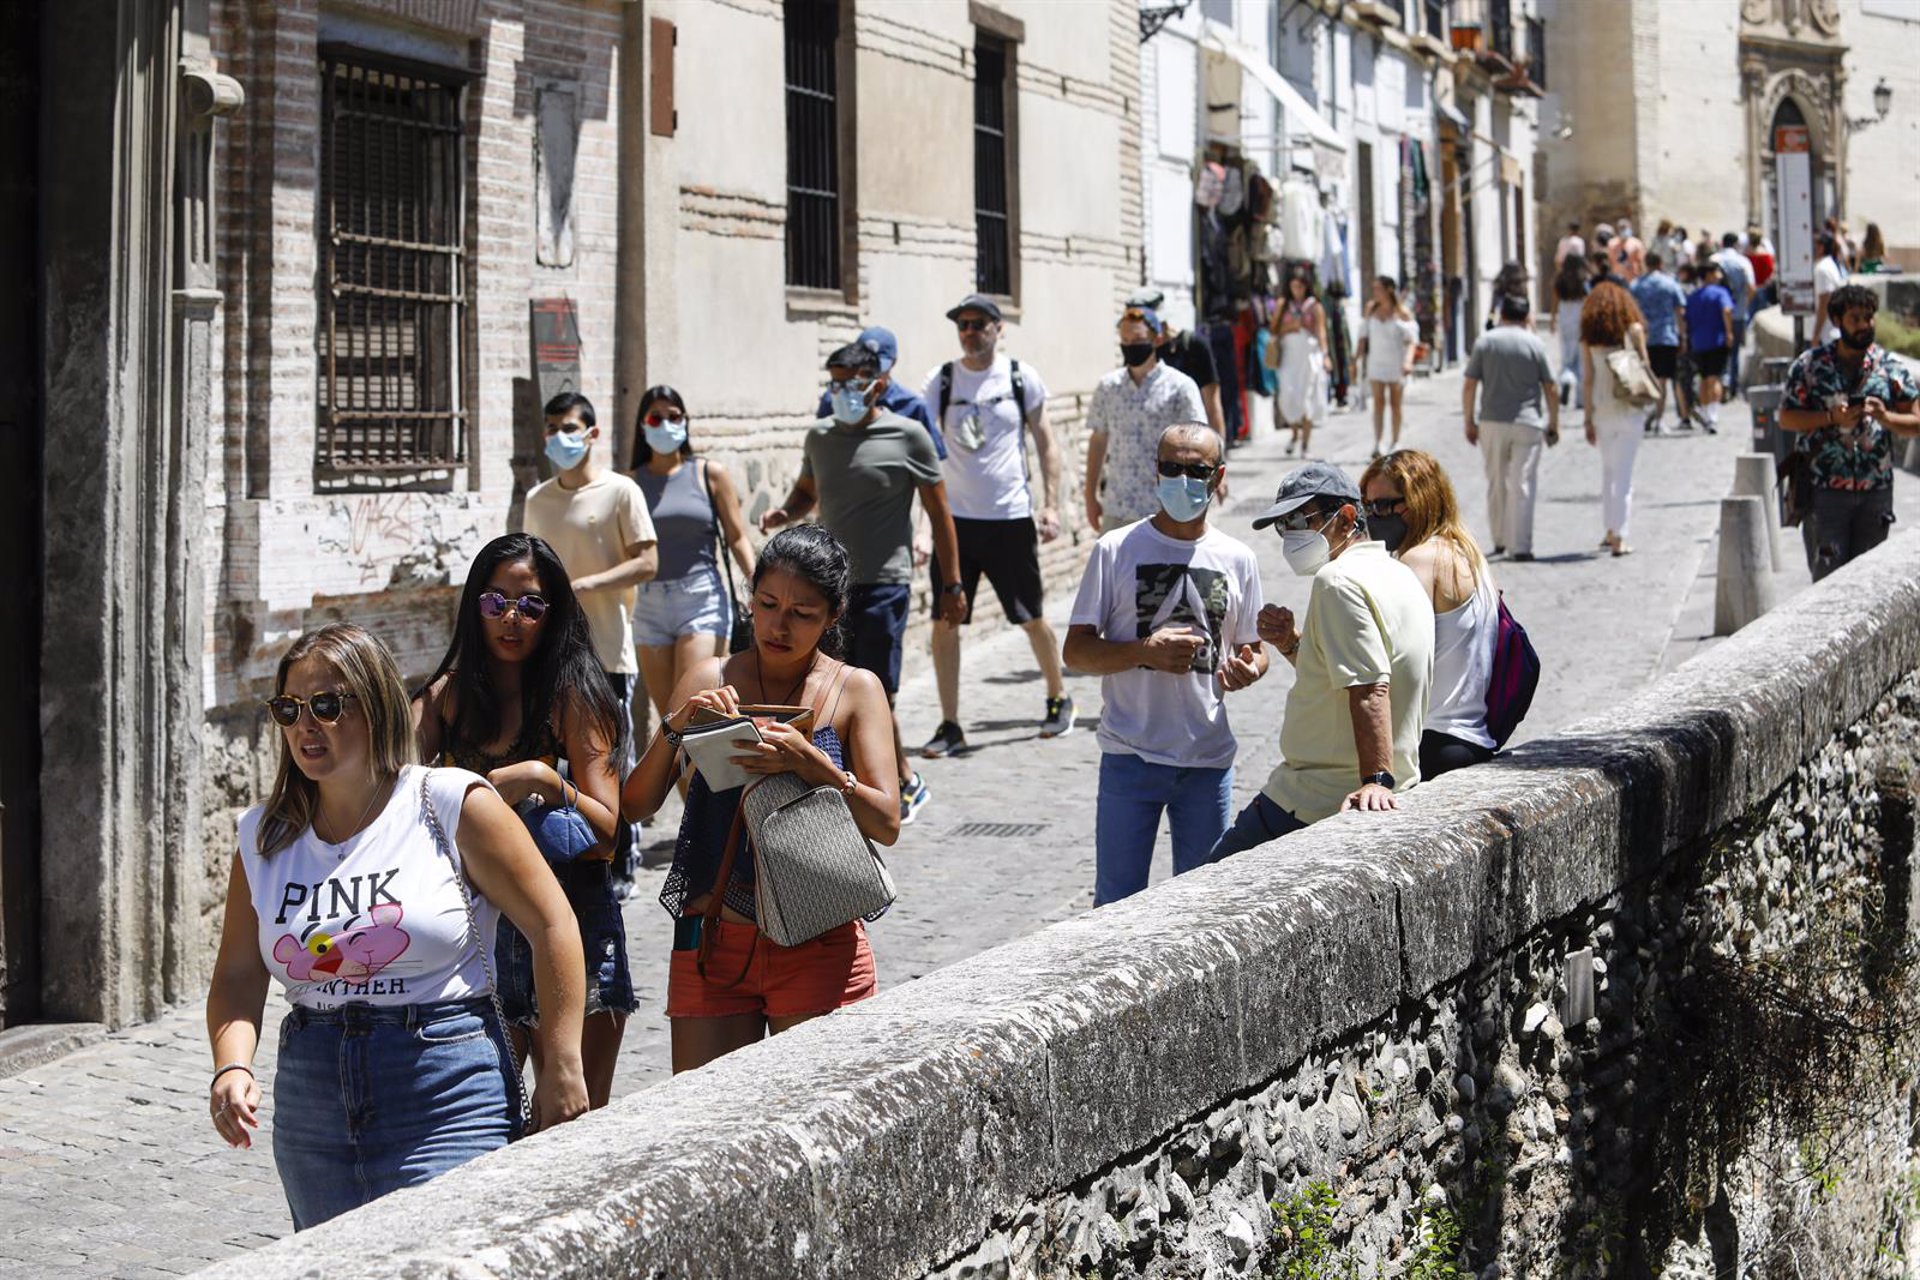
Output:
(379, 919)
(1463, 666)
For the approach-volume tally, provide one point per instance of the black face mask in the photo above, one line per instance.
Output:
(1136, 353)
(1859, 342)
(1391, 530)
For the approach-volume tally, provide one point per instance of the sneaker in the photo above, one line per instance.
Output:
(947, 740)
(1059, 721)
(914, 794)
(1521, 557)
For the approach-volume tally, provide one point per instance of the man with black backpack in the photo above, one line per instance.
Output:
(985, 404)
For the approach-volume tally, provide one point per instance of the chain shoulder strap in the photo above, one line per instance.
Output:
(524, 1103)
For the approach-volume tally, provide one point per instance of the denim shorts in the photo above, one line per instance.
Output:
(588, 884)
(876, 624)
(696, 604)
(368, 1099)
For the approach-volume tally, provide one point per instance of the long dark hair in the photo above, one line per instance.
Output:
(562, 673)
(642, 451)
(810, 553)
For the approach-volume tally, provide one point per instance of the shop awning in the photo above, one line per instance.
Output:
(1218, 38)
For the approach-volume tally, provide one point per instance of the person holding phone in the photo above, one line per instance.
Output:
(1847, 399)
(753, 987)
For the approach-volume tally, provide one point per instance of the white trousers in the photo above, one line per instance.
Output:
(1619, 440)
(1512, 454)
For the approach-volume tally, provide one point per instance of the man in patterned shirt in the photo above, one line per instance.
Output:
(1850, 398)
(1130, 408)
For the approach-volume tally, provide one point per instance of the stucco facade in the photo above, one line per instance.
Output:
(1669, 109)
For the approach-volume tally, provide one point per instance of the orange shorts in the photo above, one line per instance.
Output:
(818, 976)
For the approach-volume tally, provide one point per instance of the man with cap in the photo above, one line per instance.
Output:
(1351, 735)
(862, 466)
(1166, 615)
(1131, 406)
(894, 398)
(986, 404)
(1185, 352)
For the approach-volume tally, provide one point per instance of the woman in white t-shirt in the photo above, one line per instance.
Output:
(370, 887)
(1387, 340)
(1411, 508)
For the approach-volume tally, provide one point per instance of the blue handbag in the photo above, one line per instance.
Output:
(559, 831)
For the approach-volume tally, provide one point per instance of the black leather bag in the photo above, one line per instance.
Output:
(740, 639)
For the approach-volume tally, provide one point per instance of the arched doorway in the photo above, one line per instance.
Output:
(1788, 115)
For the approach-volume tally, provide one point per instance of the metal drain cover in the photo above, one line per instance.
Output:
(998, 830)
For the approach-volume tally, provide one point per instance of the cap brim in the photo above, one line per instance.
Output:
(1285, 507)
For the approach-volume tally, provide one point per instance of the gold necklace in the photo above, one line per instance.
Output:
(377, 789)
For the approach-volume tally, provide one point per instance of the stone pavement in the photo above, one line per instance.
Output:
(112, 1169)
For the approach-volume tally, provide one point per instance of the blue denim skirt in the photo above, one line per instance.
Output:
(369, 1099)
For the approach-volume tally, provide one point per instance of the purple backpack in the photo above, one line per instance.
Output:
(1516, 674)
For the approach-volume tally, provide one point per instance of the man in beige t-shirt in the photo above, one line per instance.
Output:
(596, 521)
(1363, 664)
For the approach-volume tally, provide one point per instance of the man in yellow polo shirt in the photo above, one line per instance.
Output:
(1351, 738)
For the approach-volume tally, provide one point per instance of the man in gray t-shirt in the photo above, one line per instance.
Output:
(1518, 413)
(863, 466)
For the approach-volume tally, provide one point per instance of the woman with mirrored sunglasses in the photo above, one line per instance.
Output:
(686, 613)
(1411, 508)
(520, 699)
(370, 889)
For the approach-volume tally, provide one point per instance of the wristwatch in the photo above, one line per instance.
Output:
(953, 589)
(1380, 779)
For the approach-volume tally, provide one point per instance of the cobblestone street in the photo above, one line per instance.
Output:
(112, 1169)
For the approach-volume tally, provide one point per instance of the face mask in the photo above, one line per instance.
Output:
(849, 406)
(567, 450)
(1182, 497)
(665, 438)
(1861, 341)
(1306, 550)
(1136, 353)
(1391, 530)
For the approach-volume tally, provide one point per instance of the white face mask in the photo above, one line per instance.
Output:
(1306, 550)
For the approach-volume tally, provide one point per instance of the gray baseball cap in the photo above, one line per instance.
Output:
(1303, 484)
(976, 302)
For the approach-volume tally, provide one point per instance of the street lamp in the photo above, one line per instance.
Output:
(1882, 103)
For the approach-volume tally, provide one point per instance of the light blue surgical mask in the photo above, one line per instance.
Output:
(1183, 498)
(848, 400)
(665, 438)
(567, 449)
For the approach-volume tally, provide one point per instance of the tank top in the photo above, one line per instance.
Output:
(544, 748)
(683, 519)
(378, 919)
(1463, 666)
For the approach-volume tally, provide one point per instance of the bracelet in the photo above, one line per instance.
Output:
(231, 1066)
(851, 785)
(673, 739)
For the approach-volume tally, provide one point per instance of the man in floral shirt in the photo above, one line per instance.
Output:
(1131, 407)
(1849, 398)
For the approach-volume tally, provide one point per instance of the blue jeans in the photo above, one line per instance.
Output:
(1133, 793)
(369, 1099)
(1259, 822)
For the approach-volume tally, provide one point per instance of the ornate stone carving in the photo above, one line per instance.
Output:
(1756, 13)
(1825, 15)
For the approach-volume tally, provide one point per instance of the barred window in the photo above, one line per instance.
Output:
(992, 202)
(393, 257)
(813, 144)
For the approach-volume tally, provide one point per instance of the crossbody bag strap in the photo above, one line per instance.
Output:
(719, 534)
(445, 845)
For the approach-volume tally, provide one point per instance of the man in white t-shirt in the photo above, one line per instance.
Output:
(1166, 613)
(985, 404)
(1351, 735)
(1828, 274)
(596, 521)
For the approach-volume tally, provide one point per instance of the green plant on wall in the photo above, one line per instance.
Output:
(1436, 1251)
(1303, 1247)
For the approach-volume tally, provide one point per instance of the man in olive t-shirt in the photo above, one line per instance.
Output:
(1509, 377)
(863, 466)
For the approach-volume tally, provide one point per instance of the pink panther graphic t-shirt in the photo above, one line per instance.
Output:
(378, 919)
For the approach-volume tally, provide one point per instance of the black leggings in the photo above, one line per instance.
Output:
(1442, 753)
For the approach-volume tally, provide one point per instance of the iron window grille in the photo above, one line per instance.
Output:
(992, 194)
(1537, 52)
(813, 144)
(394, 265)
(1500, 19)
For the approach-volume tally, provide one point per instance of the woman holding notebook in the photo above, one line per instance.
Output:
(838, 732)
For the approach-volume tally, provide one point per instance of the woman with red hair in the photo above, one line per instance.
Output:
(1609, 322)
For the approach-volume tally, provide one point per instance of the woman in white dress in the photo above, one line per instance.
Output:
(1301, 327)
(1608, 322)
(1387, 340)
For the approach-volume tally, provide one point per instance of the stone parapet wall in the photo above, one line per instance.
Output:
(1377, 1004)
